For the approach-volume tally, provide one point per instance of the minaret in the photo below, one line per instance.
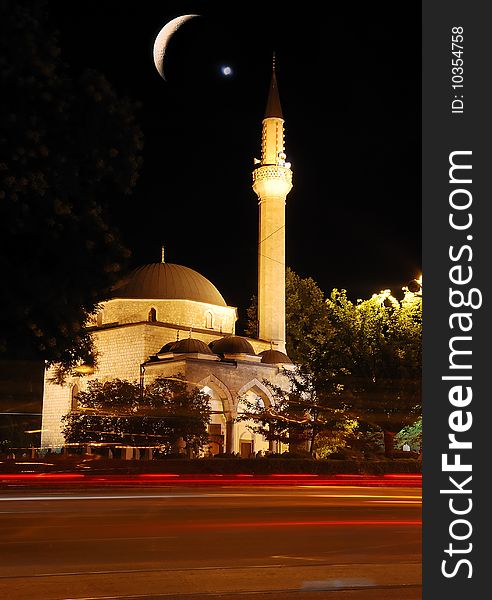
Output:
(272, 181)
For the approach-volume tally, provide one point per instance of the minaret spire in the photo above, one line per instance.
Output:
(273, 108)
(272, 181)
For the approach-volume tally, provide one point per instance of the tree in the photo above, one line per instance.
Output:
(306, 316)
(372, 359)
(120, 411)
(350, 438)
(362, 359)
(69, 143)
(298, 414)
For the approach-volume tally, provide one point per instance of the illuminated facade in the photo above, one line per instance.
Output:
(166, 319)
(272, 181)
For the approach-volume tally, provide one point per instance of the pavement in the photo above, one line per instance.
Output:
(243, 542)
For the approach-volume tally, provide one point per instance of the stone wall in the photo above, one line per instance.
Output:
(56, 403)
(228, 380)
(183, 313)
(122, 349)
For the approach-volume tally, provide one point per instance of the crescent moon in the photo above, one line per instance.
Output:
(162, 40)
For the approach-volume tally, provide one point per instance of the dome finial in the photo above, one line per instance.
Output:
(177, 335)
(163, 255)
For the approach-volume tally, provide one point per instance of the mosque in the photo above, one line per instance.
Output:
(166, 319)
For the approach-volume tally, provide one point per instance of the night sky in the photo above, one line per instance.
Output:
(349, 85)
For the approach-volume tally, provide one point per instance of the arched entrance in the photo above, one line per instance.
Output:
(250, 443)
(246, 444)
(220, 427)
(217, 429)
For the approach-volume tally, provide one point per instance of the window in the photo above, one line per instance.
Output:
(152, 316)
(209, 319)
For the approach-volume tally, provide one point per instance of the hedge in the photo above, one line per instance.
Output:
(224, 466)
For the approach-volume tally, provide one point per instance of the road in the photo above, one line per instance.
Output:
(227, 543)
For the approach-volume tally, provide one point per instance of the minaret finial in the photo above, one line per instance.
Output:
(273, 62)
(163, 255)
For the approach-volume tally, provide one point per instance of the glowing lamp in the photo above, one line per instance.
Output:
(84, 370)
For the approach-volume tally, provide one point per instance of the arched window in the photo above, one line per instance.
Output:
(209, 319)
(152, 316)
(75, 401)
(99, 318)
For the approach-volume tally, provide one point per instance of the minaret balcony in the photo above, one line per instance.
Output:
(274, 173)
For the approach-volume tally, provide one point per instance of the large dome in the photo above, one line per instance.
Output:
(166, 281)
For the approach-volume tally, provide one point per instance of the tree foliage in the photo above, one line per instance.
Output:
(306, 316)
(68, 144)
(350, 439)
(411, 435)
(120, 411)
(298, 413)
(358, 363)
(372, 359)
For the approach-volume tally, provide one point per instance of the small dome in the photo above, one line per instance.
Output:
(232, 344)
(166, 281)
(191, 346)
(212, 344)
(274, 357)
(167, 347)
